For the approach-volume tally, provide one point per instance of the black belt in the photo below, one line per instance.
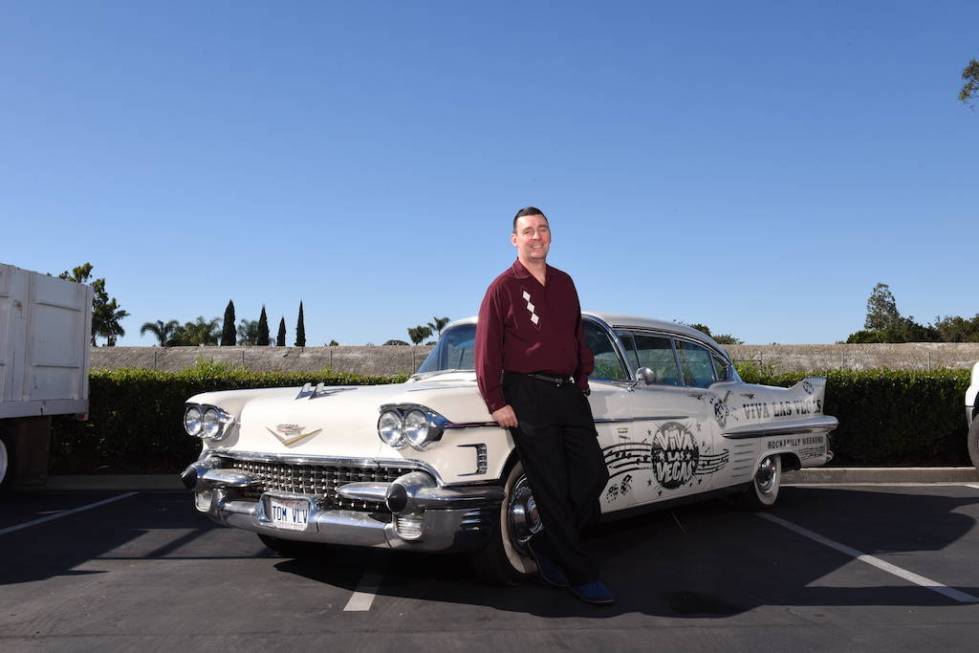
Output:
(549, 378)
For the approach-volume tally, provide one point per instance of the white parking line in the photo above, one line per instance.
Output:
(363, 597)
(912, 577)
(64, 513)
(973, 485)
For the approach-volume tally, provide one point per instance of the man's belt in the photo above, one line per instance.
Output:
(550, 378)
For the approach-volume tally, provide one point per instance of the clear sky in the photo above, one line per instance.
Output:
(754, 166)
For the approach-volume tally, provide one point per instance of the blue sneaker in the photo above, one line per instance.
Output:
(594, 592)
(549, 572)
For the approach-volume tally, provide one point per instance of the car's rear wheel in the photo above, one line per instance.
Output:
(765, 486)
(506, 559)
(974, 442)
(294, 549)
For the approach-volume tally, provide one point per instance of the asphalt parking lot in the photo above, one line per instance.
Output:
(833, 568)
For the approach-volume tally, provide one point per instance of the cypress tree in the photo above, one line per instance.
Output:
(263, 329)
(300, 328)
(280, 339)
(228, 331)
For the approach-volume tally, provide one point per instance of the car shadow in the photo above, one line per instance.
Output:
(702, 561)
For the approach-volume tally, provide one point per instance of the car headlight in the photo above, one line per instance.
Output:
(192, 420)
(390, 428)
(206, 422)
(416, 428)
(410, 424)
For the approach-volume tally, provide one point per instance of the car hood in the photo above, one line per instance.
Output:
(342, 420)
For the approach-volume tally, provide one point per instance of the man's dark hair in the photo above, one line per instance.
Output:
(530, 210)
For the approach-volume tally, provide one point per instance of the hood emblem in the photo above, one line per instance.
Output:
(289, 434)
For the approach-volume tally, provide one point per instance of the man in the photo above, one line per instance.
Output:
(532, 367)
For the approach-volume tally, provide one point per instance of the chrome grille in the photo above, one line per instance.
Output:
(319, 482)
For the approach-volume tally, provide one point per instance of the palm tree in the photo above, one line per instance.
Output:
(419, 333)
(164, 331)
(202, 332)
(437, 324)
(112, 328)
(247, 332)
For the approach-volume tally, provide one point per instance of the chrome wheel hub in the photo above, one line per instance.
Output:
(765, 477)
(522, 515)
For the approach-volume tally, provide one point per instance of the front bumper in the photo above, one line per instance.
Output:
(413, 512)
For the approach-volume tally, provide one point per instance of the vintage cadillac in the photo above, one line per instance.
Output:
(420, 466)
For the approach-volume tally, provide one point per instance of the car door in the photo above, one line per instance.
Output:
(612, 403)
(674, 428)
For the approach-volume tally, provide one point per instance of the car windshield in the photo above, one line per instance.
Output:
(454, 350)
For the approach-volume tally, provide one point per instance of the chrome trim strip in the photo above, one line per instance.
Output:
(325, 460)
(826, 423)
(617, 420)
(469, 425)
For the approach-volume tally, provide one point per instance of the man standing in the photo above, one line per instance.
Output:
(532, 367)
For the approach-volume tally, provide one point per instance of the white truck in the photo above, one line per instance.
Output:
(45, 327)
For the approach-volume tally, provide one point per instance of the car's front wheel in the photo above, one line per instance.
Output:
(294, 549)
(974, 442)
(765, 486)
(506, 559)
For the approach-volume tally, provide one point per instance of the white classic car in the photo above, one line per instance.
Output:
(971, 410)
(421, 466)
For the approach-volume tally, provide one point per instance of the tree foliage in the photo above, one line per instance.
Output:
(884, 323)
(199, 332)
(437, 324)
(248, 332)
(400, 343)
(721, 339)
(228, 327)
(263, 329)
(280, 338)
(106, 314)
(970, 75)
(417, 334)
(300, 328)
(164, 331)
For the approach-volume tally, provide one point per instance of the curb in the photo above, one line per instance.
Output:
(811, 476)
(844, 475)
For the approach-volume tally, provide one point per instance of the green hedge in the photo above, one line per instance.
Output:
(887, 417)
(134, 423)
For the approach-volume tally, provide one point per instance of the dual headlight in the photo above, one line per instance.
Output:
(415, 425)
(206, 422)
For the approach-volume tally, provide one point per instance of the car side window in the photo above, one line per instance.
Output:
(608, 367)
(656, 353)
(696, 363)
(720, 367)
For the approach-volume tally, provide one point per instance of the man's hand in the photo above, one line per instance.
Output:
(505, 417)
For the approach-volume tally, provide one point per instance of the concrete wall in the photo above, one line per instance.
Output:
(362, 360)
(405, 360)
(905, 356)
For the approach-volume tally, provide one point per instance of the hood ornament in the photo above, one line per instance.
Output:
(310, 391)
(289, 434)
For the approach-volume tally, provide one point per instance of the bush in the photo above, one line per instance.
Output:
(889, 417)
(135, 415)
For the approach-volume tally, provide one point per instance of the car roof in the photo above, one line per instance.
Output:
(618, 321)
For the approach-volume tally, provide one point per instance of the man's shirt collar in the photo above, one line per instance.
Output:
(520, 272)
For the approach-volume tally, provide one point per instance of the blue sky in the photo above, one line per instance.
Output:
(754, 166)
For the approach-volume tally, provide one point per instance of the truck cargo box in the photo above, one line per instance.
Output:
(45, 329)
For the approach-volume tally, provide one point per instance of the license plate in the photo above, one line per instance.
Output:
(290, 514)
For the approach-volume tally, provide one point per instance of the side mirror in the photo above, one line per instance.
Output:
(645, 375)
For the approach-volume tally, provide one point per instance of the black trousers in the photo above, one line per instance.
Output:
(558, 446)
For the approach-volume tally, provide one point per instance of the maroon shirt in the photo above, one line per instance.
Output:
(526, 327)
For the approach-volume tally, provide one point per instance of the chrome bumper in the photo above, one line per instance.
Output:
(422, 517)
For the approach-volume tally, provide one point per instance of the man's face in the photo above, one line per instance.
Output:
(532, 238)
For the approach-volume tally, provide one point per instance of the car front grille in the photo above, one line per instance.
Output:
(319, 482)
